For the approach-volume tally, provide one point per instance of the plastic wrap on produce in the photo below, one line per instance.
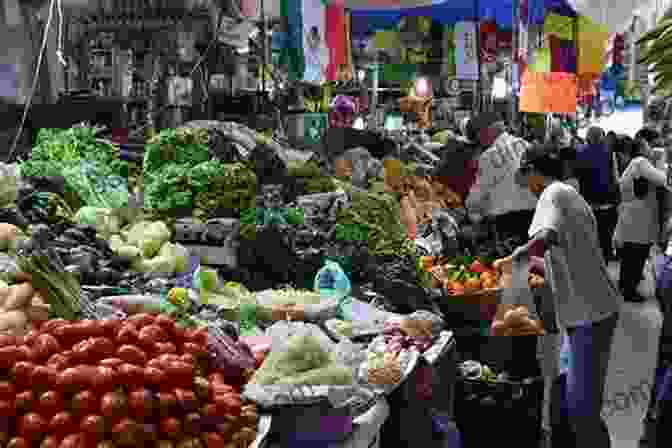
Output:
(263, 430)
(133, 304)
(319, 312)
(355, 397)
(440, 346)
(408, 360)
(226, 352)
(281, 332)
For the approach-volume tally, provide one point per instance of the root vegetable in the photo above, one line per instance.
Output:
(13, 322)
(19, 296)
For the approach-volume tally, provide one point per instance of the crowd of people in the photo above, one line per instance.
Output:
(579, 205)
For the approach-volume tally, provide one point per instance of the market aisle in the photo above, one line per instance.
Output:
(627, 121)
(631, 367)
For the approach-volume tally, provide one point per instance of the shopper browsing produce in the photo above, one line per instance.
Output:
(586, 301)
(496, 194)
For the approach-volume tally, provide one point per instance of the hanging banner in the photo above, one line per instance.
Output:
(592, 43)
(466, 53)
(548, 93)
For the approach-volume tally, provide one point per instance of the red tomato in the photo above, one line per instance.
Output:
(164, 347)
(113, 405)
(165, 322)
(84, 402)
(111, 326)
(91, 328)
(131, 375)
(217, 378)
(73, 441)
(18, 442)
(180, 335)
(132, 355)
(58, 362)
(93, 425)
(179, 373)
(104, 379)
(31, 426)
(102, 348)
(24, 402)
(45, 377)
(141, 320)
(151, 334)
(29, 339)
(6, 340)
(128, 334)
(10, 355)
(127, 432)
(7, 390)
(50, 442)
(154, 377)
(111, 362)
(141, 403)
(6, 409)
(197, 350)
(228, 404)
(209, 410)
(44, 346)
(168, 358)
(50, 403)
(50, 325)
(155, 363)
(199, 337)
(81, 352)
(186, 399)
(214, 440)
(61, 424)
(25, 353)
(171, 427)
(188, 358)
(70, 380)
(220, 389)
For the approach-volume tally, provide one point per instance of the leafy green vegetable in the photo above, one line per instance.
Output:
(176, 146)
(379, 214)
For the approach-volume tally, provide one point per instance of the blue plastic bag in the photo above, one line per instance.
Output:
(332, 281)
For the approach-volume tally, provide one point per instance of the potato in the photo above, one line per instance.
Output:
(37, 313)
(8, 233)
(13, 320)
(19, 296)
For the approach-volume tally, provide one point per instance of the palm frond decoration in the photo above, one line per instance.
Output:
(656, 52)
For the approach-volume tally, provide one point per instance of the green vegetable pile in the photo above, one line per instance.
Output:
(304, 362)
(310, 177)
(92, 169)
(178, 174)
(378, 213)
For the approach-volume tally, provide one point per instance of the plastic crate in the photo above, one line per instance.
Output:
(512, 404)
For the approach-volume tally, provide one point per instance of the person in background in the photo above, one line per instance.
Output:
(587, 304)
(638, 224)
(496, 195)
(595, 171)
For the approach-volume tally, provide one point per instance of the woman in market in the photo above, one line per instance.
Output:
(598, 185)
(638, 226)
(587, 303)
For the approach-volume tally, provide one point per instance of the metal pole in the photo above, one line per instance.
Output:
(478, 100)
(263, 46)
(515, 43)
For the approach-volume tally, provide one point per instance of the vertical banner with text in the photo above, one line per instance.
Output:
(466, 53)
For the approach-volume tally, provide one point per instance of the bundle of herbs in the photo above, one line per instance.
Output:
(378, 214)
(94, 175)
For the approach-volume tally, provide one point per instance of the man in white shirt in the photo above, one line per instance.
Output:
(496, 195)
(587, 302)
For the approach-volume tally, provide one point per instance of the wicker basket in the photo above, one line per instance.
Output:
(489, 296)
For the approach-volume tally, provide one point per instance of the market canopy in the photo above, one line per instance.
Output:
(369, 16)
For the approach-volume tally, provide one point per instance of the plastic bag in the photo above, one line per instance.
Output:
(332, 281)
(9, 187)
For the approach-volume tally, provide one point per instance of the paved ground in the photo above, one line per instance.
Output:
(631, 367)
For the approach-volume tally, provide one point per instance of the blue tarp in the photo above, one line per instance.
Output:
(367, 21)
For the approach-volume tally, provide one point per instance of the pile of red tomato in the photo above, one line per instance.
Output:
(143, 381)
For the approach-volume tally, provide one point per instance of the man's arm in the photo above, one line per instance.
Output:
(476, 202)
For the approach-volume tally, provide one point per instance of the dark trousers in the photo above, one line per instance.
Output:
(633, 257)
(513, 224)
(590, 349)
(606, 223)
